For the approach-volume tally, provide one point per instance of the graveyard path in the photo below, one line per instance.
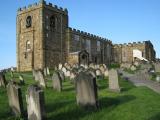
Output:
(142, 79)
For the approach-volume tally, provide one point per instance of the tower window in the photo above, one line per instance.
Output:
(28, 46)
(28, 22)
(52, 22)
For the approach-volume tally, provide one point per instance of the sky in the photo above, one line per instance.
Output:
(121, 21)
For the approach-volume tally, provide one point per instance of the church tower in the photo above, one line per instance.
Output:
(41, 36)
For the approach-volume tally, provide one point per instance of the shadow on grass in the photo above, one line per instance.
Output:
(68, 89)
(51, 107)
(110, 102)
(74, 113)
(155, 117)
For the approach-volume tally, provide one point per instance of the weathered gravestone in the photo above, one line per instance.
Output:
(99, 74)
(45, 71)
(39, 77)
(113, 81)
(158, 78)
(2, 80)
(57, 82)
(41, 82)
(60, 66)
(106, 73)
(35, 103)
(157, 67)
(64, 69)
(72, 77)
(15, 99)
(61, 74)
(86, 90)
(48, 71)
(102, 68)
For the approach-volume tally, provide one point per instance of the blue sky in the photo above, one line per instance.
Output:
(121, 21)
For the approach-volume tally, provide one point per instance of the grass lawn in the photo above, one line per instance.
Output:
(133, 103)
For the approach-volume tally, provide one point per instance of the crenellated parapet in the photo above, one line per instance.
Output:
(87, 35)
(40, 4)
(130, 44)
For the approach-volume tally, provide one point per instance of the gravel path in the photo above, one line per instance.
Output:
(142, 79)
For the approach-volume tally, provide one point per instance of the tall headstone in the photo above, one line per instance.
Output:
(86, 90)
(57, 82)
(113, 80)
(35, 103)
(2, 80)
(15, 99)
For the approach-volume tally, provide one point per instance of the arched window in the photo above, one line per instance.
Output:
(28, 21)
(28, 46)
(52, 22)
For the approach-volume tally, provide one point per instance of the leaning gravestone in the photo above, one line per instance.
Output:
(39, 77)
(15, 99)
(35, 103)
(113, 80)
(57, 82)
(41, 82)
(86, 90)
(2, 80)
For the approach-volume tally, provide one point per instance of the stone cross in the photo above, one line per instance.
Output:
(35, 103)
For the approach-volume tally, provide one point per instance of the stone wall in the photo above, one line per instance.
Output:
(123, 53)
(99, 49)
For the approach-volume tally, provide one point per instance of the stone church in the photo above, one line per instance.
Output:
(44, 39)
